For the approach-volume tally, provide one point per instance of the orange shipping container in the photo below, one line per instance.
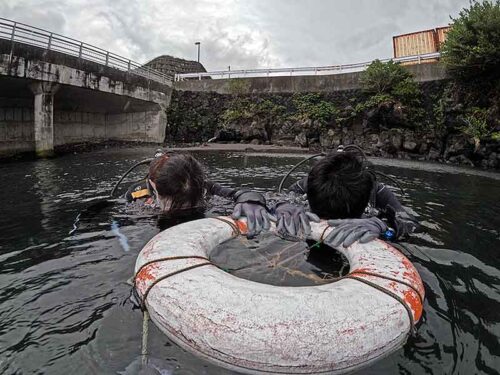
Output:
(441, 35)
(418, 43)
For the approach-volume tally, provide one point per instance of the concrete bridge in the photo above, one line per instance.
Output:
(55, 91)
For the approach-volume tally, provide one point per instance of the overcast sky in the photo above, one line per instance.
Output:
(240, 33)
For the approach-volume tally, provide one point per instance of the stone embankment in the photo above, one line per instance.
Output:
(382, 131)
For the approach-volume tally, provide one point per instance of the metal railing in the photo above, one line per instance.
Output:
(317, 70)
(17, 32)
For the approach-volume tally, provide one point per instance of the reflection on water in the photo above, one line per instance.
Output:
(64, 305)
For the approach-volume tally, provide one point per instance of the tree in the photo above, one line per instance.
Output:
(471, 54)
(390, 81)
(471, 51)
(393, 93)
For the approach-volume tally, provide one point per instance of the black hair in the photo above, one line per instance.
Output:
(176, 217)
(180, 178)
(339, 186)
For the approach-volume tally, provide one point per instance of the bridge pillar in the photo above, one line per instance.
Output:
(43, 117)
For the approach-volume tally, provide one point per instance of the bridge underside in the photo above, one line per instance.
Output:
(49, 99)
(29, 107)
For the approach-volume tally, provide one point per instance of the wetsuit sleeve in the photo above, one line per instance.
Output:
(391, 209)
(299, 186)
(385, 197)
(213, 188)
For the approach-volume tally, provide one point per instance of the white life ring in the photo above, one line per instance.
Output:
(257, 328)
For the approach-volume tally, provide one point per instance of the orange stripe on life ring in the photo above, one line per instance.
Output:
(413, 301)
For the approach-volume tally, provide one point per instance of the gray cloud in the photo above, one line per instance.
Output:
(240, 33)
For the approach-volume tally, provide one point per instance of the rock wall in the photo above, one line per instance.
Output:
(172, 65)
(382, 131)
(194, 116)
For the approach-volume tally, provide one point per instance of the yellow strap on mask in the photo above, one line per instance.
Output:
(140, 193)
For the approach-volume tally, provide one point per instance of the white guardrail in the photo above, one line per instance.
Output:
(17, 32)
(317, 70)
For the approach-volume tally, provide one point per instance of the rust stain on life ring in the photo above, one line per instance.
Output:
(146, 250)
(242, 226)
(146, 275)
(409, 271)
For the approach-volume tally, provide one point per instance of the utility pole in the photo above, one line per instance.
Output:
(198, 44)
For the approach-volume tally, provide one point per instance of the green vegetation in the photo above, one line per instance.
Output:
(471, 51)
(465, 106)
(313, 107)
(477, 126)
(243, 109)
(390, 84)
(239, 109)
(471, 54)
(390, 79)
(439, 111)
(310, 106)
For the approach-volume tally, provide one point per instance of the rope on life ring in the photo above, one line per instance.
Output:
(145, 320)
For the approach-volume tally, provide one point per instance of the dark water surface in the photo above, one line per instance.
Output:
(64, 296)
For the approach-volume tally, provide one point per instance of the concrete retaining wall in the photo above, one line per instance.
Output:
(293, 84)
(17, 128)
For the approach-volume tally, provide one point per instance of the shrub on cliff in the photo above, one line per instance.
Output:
(392, 93)
(389, 80)
(471, 51)
(478, 126)
(242, 109)
(313, 107)
(239, 109)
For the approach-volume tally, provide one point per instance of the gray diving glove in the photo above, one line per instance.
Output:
(348, 231)
(252, 205)
(293, 220)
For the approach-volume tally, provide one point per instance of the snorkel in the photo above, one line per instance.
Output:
(158, 153)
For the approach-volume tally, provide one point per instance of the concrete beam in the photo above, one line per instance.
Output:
(131, 86)
(43, 117)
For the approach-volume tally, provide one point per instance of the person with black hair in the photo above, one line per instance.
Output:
(343, 190)
(176, 185)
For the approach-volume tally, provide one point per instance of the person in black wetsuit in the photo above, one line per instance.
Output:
(176, 185)
(339, 187)
(342, 189)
